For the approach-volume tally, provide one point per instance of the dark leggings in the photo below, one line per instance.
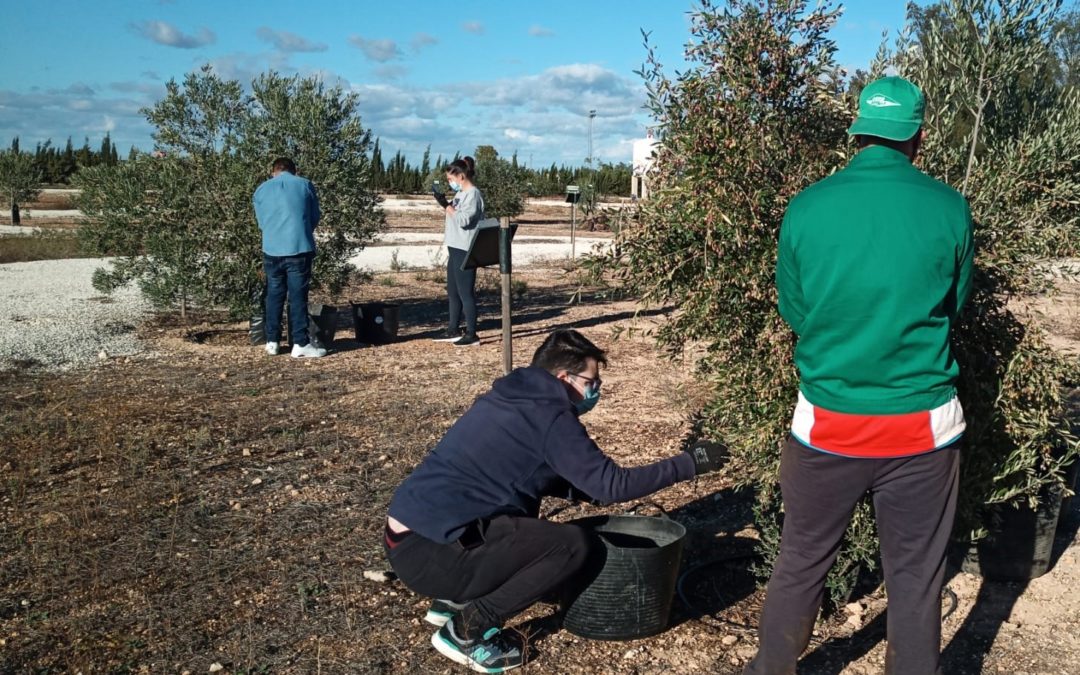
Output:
(460, 291)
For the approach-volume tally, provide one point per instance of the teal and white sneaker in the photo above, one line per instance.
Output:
(440, 612)
(496, 652)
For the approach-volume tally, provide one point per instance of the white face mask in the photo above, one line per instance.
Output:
(455, 186)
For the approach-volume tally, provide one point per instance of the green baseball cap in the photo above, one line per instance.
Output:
(889, 108)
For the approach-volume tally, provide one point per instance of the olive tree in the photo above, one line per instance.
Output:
(503, 187)
(1003, 129)
(759, 114)
(20, 179)
(180, 221)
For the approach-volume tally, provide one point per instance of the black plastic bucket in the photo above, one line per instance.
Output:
(1020, 544)
(375, 323)
(631, 595)
(322, 325)
(257, 330)
(1072, 484)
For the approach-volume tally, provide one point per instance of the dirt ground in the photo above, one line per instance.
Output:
(209, 508)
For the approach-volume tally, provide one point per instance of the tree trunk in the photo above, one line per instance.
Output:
(15, 219)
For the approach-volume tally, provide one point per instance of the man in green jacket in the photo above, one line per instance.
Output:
(874, 265)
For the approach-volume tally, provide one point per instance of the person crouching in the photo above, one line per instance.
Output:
(464, 529)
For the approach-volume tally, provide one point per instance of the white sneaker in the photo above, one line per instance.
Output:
(272, 348)
(308, 351)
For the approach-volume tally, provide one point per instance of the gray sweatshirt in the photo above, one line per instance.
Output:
(461, 225)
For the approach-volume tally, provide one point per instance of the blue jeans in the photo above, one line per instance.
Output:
(287, 274)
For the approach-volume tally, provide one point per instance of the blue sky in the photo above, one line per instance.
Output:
(517, 75)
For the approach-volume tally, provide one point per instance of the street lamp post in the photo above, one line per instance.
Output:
(591, 195)
(592, 114)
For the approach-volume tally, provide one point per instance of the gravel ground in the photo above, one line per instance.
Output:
(18, 229)
(51, 316)
(421, 251)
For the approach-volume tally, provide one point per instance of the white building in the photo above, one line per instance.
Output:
(644, 156)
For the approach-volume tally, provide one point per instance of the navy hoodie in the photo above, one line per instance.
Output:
(519, 442)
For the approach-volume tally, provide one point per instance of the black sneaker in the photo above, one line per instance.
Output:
(467, 341)
(494, 653)
(447, 336)
(440, 612)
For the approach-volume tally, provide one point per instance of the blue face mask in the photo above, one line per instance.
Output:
(592, 396)
(456, 187)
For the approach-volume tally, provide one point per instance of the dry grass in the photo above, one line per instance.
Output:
(44, 245)
(214, 505)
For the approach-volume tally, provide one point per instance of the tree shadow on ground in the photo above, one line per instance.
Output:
(716, 576)
(423, 318)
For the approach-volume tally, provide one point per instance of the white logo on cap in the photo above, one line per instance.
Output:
(881, 101)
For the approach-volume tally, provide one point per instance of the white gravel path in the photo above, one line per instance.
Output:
(18, 229)
(51, 315)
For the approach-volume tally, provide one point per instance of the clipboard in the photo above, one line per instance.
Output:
(484, 250)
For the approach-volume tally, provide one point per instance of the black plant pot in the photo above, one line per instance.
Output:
(1020, 544)
(1071, 483)
(375, 323)
(632, 577)
(322, 325)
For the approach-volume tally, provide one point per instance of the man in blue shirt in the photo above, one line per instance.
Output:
(287, 211)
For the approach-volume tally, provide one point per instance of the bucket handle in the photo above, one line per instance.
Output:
(663, 513)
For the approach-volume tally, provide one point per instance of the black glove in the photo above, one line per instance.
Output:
(708, 456)
(441, 198)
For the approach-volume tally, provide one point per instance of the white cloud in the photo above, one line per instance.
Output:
(390, 71)
(387, 101)
(474, 27)
(80, 89)
(542, 116)
(288, 42)
(57, 114)
(519, 135)
(421, 40)
(151, 89)
(164, 33)
(377, 50)
(245, 67)
(577, 88)
(537, 30)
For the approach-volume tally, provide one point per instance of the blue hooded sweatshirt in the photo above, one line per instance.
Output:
(519, 442)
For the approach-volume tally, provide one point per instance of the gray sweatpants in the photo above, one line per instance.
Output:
(914, 502)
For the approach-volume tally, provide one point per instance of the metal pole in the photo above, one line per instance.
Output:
(592, 114)
(573, 226)
(505, 270)
(591, 194)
